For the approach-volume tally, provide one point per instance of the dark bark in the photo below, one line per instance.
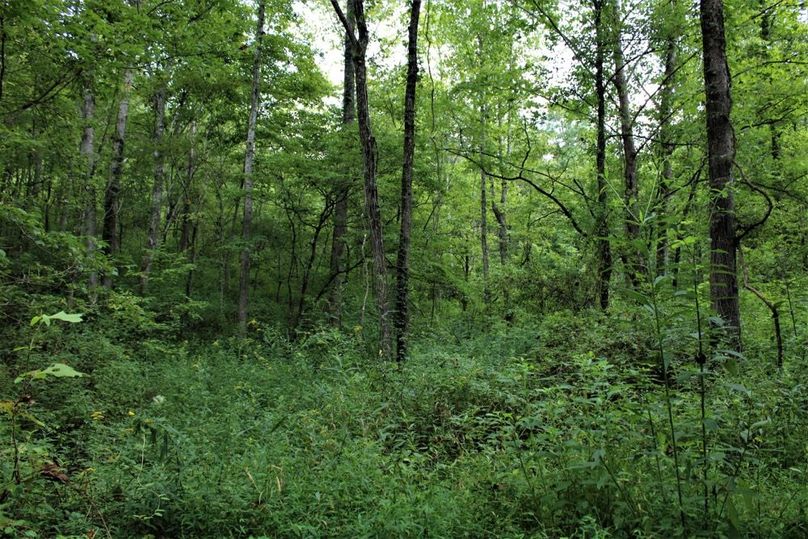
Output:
(338, 247)
(402, 265)
(484, 234)
(307, 269)
(111, 206)
(721, 155)
(603, 247)
(502, 222)
(155, 214)
(249, 159)
(359, 43)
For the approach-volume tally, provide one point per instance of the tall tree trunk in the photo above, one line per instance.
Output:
(338, 249)
(186, 221)
(249, 159)
(632, 259)
(110, 227)
(721, 155)
(484, 233)
(603, 247)
(359, 43)
(155, 214)
(766, 36)
(88, 156)
(666, 149)
(402, 264)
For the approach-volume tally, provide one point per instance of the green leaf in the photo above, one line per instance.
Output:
(60, 370)
(57, 370)
(64, 317)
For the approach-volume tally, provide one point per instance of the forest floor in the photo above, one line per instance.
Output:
(514, 433)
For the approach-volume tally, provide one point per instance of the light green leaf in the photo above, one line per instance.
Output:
(60, 370)
(73, 318)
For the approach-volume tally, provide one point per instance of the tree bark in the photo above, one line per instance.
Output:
(603, 247)
(88, 156)
(338, 247)
(110, 227)
(632, 259)
(721, 155)
(155, 214)
(249, 159)
(666, 149)
(359, 43)
(484, 232)
(502, 222)
(402, 265)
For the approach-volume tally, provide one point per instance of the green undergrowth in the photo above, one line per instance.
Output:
(522, 431)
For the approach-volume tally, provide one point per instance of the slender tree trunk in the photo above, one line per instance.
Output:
(721, 155)
(359, 44)
(88, 156)
(632, 259)
(249, 158)
(666, 149)
(484, 234)
(297, 316)
(502, 222)
(603, 247)
(766, 36)
(187, 225)
(402, 265)
(343, 191)
(155, 215)
(110, 227)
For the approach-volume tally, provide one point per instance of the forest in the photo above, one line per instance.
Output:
(434, 268)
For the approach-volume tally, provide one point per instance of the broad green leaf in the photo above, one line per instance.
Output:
(73, 318)
(60, 370)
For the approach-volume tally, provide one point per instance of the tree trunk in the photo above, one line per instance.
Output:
(502, 222)
(110, 227)
(632, 259)
(484, 232)
(155, 215)
(666, 149)
(721, 155)
(604, 251)
(402, 265)
(369, 155)
(249, 159)
(343, 191)
(88, 156)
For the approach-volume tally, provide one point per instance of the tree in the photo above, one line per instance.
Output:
(603, 245)
(342, 192)
(88, 155)
(158, 100)
(249, 159)
(721, 156)
(632, 258)
(113, 188)
(359, 43)
(402, 264)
